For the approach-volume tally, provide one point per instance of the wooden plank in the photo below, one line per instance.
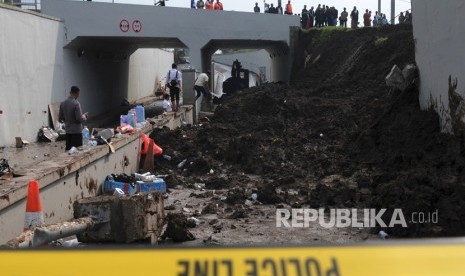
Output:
(54, 110)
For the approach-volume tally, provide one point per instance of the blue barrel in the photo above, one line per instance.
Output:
(140, 112)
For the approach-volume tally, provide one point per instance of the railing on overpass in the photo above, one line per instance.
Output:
(25, 4)
(35, 4)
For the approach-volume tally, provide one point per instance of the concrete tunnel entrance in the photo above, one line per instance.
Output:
(279, 53)
(100, 66)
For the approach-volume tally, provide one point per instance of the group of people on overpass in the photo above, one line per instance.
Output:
(270, 8)
(328, 16)
(207, 5)
(407, 18)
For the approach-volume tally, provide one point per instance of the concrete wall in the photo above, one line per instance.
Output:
(89, 21)
(36, 70)
(82, 177)
(147, 68)
(440, 36)
(31, 71)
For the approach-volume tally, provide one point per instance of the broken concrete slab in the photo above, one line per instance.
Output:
(395, 79)
(124, 219)
(410, 73)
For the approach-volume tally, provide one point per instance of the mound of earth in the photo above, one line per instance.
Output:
(337, 136)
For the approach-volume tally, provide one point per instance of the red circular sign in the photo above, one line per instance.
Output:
(124, 25)
(137, 26)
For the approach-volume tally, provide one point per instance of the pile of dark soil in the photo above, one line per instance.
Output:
(338, 136)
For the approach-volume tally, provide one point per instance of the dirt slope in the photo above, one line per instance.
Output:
(336, 137)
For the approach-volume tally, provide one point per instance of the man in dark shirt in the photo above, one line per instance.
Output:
(354, 18)
(272, 9)
(70, 113)
(256, 9)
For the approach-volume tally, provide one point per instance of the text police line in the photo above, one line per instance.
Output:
(257, 267)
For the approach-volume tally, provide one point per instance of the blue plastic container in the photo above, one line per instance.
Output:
(140, 112)
(157, 185)
(131, 118)
(109, 187)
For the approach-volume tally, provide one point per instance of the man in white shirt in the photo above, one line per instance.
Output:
(201, 87)
(174, 83)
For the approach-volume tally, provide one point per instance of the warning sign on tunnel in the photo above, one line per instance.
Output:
(392, 259)
(137, 26)
(124, 25)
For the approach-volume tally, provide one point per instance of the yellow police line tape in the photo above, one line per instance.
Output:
(274, 261)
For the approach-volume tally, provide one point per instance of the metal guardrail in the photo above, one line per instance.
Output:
(30, 5)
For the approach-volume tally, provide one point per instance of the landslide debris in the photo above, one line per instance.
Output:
(337, 136)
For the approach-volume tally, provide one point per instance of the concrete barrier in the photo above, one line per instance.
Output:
(67, 178)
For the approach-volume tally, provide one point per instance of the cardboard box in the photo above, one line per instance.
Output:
(157, 185)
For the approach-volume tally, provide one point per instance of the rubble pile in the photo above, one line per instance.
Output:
(337, 136)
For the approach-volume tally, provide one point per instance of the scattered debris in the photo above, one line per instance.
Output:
(177, 228)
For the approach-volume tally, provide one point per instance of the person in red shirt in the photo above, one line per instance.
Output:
(209, 5)
(218, 5)
(367, 19)
(289, 8)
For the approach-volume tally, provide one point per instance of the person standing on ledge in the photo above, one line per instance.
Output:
(201, 88)
(174, 82)
(70, 113)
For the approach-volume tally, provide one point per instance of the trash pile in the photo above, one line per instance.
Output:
(5, 170)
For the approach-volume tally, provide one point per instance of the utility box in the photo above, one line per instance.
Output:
(188, 80)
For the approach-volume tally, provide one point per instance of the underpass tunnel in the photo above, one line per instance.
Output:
(278, 51)
(101, 67)
(267, 61)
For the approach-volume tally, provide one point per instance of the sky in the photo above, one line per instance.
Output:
(247, 5)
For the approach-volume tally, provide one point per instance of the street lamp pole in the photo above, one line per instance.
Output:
(393, 12)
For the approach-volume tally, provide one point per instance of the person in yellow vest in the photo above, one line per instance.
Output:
(209, 5)
(218, 5)
(289, 7)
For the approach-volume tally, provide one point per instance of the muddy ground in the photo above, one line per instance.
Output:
(337, 136)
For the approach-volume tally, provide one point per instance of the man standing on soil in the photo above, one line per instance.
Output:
(174, 82)
(354, 17)
(70, 113)
(343, 18)
(201, 88)
(367, 18)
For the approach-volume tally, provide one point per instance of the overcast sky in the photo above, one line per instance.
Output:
(247, 5)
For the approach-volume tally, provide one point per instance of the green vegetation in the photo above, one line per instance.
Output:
(322, 35)
(380, 41)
